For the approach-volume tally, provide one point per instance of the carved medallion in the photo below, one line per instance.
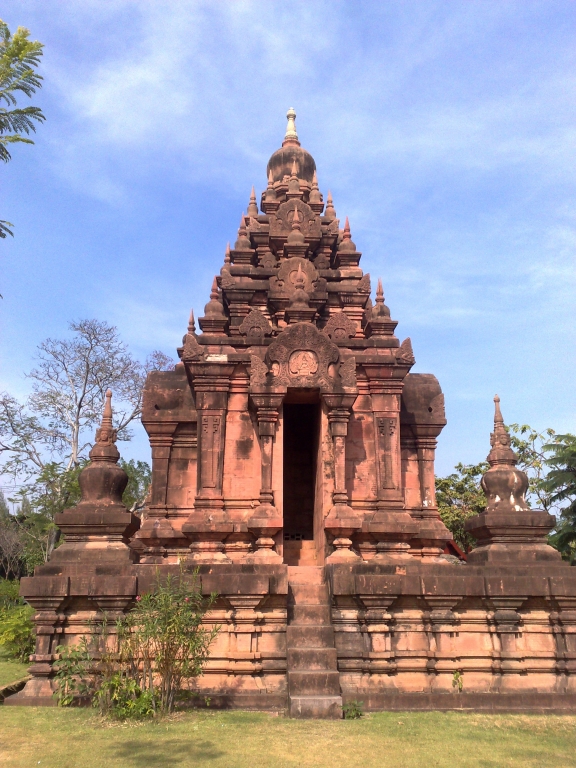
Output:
(291, 271)
(309, 222)
(340, 327)
(255, 325)
(303, 363)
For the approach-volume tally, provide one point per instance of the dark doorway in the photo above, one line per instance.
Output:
(300, 450)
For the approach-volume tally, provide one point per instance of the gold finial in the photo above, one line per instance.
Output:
(291, 136)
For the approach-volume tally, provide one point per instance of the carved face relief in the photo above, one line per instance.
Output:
(303, 363)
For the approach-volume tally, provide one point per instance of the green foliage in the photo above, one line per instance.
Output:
(163, 641)
(459, 497)
(74, 673)
(10, 594)
(353, 710)
(161, 646)
(560, 483)
(458, 681)
(17, 636)
(19, 57)
(120, 696)
(139, 478)
(530, 448)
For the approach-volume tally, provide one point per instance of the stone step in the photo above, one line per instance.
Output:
(318, 707)
(317, 682)
(300, 553)
(305, 574)
(311, 659)
(309, 614)
(308, 594)
(309, 636)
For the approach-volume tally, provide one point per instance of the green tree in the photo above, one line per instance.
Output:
(560, 483)
(139, 479)
(531, 449)
(459, 497)
(45, 441)
(19, 58)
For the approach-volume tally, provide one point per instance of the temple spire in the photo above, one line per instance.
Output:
(330, 212)
(379, 291)
(191, 323)
(291, 136)
(252, 205)
(227, 255)
(104, 448)
(501, 451)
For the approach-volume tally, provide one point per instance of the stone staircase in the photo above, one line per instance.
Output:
(300, 552)
(313, 678)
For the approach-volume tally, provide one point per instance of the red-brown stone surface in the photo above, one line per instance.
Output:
(293, 465)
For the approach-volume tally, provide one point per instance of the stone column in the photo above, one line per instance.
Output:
(208, 525)
(156, 530)
(341, 521)
(391, 525)
(265, 522)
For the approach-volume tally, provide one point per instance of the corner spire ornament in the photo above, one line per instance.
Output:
(252, 205)
(501, 451)
(191, 323)
(104, 448)
(291, 136)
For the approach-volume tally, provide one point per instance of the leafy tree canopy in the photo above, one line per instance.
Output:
(19, 58)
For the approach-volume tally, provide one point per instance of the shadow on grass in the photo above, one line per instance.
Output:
(169, 752)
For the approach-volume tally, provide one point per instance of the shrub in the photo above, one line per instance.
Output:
(353, 710)
(17, 636)
(160, 645)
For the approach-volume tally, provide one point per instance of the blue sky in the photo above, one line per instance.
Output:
(446, 132)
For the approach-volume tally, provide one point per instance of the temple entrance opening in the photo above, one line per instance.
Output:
(301, 428)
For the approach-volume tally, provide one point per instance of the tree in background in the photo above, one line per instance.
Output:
(460, 495)
(45, 441)
(19, 58)
(560, 483)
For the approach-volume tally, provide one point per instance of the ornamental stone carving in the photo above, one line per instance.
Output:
(309, 223)
(255, 325)
(340, 327)
(302, 356)
(290, 274)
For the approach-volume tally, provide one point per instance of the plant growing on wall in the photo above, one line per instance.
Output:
(161, 645)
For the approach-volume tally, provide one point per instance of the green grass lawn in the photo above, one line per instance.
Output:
(72, 738)
(10, 671)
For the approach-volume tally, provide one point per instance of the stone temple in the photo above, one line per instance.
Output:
(293, 465)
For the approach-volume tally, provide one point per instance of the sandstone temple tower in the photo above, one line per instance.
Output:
(293, 464)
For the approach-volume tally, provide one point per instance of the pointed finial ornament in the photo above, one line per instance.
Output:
(346, 234)
(104, 448)
(379, 292)
(227, 255)
(330, 210)
(501, 451)
(214, 295)
(191, 323)
(253, 205)
(291, 136)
